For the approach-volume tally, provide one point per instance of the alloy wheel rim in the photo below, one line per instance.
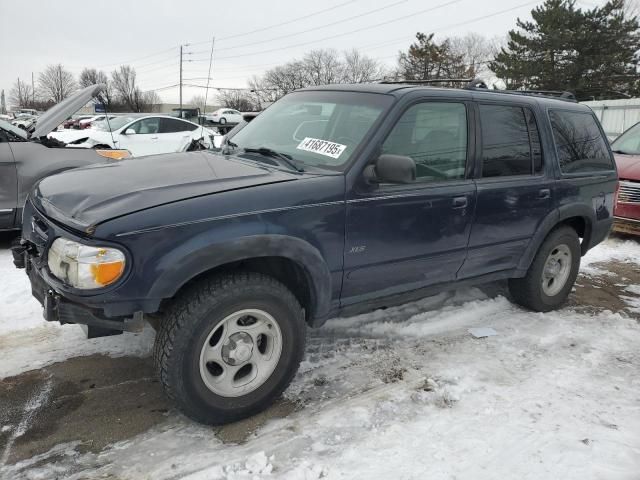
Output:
(240, 353)
(556, 270)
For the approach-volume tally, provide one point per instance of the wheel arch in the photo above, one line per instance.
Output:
(579, 217)
(292, 261)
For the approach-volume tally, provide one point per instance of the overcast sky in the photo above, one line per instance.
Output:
(251, 35)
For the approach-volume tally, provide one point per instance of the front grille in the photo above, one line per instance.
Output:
(629, 192)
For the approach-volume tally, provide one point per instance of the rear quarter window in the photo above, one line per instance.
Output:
(579, 142)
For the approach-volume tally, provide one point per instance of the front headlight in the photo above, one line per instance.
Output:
(85, 267)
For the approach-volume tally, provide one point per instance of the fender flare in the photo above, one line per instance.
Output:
(184, 264)
(555, 217)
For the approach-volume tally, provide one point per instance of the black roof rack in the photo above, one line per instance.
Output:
(479, 84)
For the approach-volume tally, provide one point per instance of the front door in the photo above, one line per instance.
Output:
(8, 185)
(143, 139)
(403, 237)
(515, 191)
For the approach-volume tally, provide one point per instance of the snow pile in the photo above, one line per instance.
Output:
(614, 249)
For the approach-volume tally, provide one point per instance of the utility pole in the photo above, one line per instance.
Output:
(33, 92)
(180, 111)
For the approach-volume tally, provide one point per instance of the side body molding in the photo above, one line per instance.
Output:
(185, 263)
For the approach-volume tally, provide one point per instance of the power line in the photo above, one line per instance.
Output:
(319, 27)
(351, 32)
(251, 32)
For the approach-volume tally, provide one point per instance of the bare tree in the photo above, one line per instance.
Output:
(476, 51)
(55, 83)
(126, 89)
(198, 102)
(236, 99)
(91, 76)
(317, 67)
(151, 101)
(358, 68)
(21, 94)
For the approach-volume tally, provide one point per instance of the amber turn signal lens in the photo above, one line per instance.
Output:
(114, 154)
(107, 273)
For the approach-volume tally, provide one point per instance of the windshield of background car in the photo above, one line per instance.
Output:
(628, 142)
(115, 123)
(320, 128)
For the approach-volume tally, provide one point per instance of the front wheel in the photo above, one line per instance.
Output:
(552, 273)
(229, 346)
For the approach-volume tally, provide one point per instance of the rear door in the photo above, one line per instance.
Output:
(8, 184)
(514, 193)
(175, 133)
(407, 236)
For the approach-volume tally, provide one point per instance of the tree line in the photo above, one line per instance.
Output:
(56, 83)
(592, 52)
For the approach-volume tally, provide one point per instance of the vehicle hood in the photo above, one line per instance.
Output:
(57, 114)
(13, 129)
(628, 166)
(85, 197)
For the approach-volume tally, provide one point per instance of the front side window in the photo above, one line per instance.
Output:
(146, 126)
(434, 135)
(314, 128)
(580, 144)
(510, 141)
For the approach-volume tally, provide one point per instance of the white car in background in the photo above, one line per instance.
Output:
(87, 122)
(223, 116)
(150, 135)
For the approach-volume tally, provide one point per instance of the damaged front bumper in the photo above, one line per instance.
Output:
(60, 305)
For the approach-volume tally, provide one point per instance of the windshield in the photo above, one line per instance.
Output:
(115, 123)
(12, 129)
(320, 128)
(628, 142)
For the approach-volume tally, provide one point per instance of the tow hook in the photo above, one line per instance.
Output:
(18, 249)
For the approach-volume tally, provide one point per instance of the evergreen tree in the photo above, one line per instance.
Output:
(589, 52)
(427, 59)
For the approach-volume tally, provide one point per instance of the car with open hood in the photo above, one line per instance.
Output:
(334, 200)
(142, 135)
(626, 149)
(26, 158)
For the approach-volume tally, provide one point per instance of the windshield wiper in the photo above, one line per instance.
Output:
(283, 157)
(621, 152)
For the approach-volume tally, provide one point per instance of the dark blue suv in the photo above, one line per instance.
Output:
(335, 199)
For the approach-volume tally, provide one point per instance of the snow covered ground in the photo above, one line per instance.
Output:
(400, 393)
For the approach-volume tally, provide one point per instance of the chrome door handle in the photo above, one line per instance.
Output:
(544, 193)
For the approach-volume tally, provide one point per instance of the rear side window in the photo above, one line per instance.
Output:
(579, 142)
(171, 125)
(510, 141)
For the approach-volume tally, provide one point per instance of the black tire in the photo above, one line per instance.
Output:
(223, 121)
(189, 321)
(528, 291)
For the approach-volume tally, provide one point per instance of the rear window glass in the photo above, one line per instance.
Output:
(510, 141)
(580, 144)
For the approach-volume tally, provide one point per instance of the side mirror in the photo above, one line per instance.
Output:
(130, 131)
(390, 168)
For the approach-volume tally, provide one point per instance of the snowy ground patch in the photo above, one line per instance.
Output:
(404, 392)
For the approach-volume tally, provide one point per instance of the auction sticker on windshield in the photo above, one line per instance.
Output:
(323, 147)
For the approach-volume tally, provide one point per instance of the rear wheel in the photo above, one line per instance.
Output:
(223, 121)
(229, 346)
(552, 273)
